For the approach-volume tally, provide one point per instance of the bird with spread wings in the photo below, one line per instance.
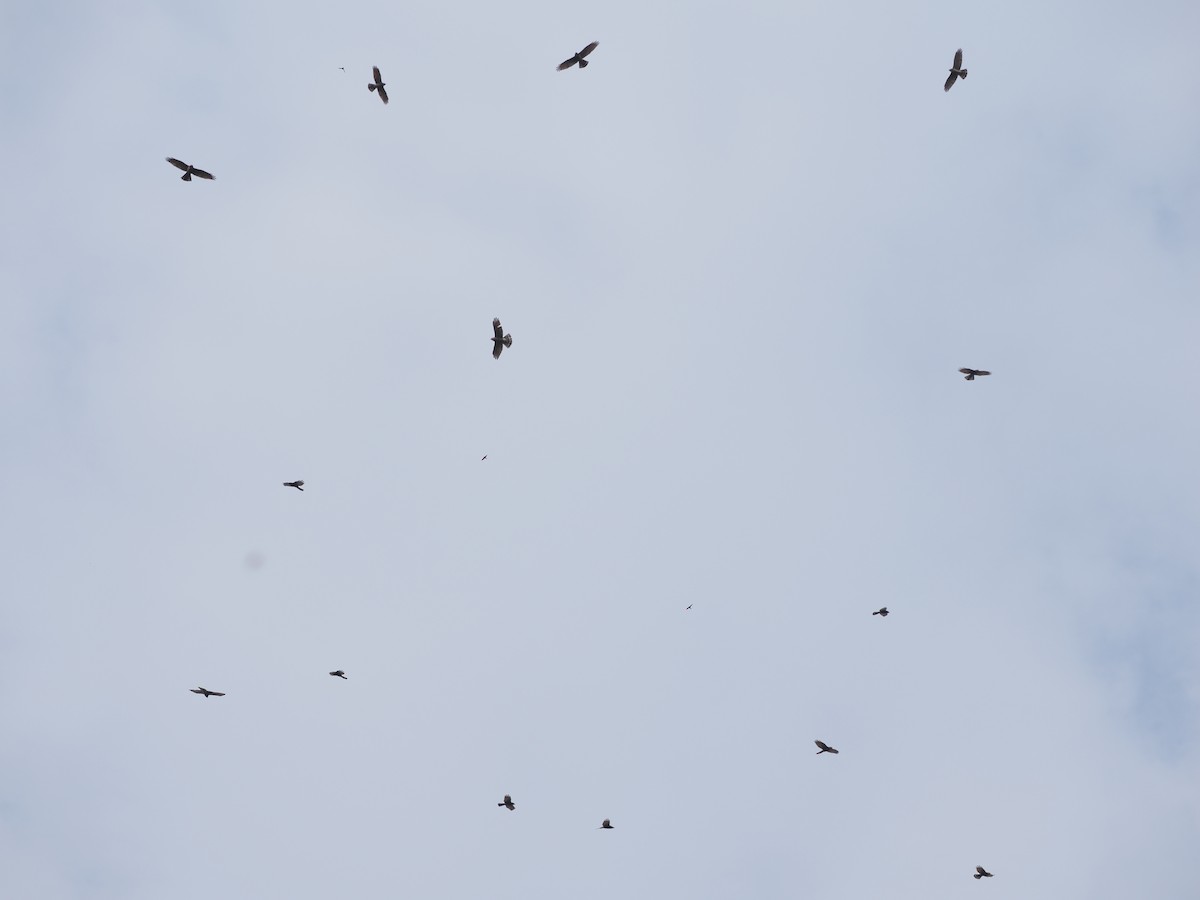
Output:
(507, 804)
(378, 85)
(957, 71)
(825, 748)
(189, 170)
(972, 373)
(501, 340)
(205, 692)
(579, 58)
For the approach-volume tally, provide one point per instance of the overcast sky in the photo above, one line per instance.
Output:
(741, 256)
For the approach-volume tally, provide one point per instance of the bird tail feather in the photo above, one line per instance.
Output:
(508, 340)
(187, 176)
(371, 88)
(583, 64)
(962, 74)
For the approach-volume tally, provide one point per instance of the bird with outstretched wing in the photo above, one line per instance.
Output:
(579, 58)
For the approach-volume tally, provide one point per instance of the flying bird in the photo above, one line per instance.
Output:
(340, 674)
(206, 692)
(378, 85)
(501, 340)
(298, 485)
(507, 804)
(882, 611)
(957, 72)
(971, 373)
(825, 748)
(605, 824)
(981, 872)
(482, 458)
(579, 57)
(189, 170)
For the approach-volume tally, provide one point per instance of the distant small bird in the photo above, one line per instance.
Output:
(957, 72)
(507, 804)
(605, 824)
(189, 170)
(206, 692)
(579, 57)
(825, 748)
(882, 611)
(971, 373)
(981, 872)
(689, 607)
(343, 68)
(482, 458)
(378, 85)
(501, 340)
(298, 485)
(339, 674)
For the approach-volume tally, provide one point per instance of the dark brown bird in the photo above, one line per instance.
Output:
(882, 611)
(189, 170)
(971, 373)
(825, 748)
(981, 872)
(298, 485)
(501, 340)
(378, 85)
(206, 692)
(605, 824)
(579, 57)
(339, 674)
(957, 71)
(507, 804)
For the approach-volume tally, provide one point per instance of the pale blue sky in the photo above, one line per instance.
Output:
(741, 257)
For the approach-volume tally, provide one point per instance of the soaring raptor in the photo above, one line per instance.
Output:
(971, 373)
(958, 71)
(206, 692)
(501, 340)
(378, 85)
(507, 804)
(825, 748)
(189, 170)
(579, 57)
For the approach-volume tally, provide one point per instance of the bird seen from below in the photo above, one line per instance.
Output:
(971, 373)
(501, 340)
(205, 692)
(882, 611)
(378, 85)
(298, 485)
(981, 872)
(507, 803)
(957, 71)
(579, 57)
(825, 748)
(339, 674)
(605, 824)
(189, 170)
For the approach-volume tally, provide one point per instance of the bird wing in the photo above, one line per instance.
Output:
(382, 94)
(196, 690)
(982, 372)
(606, 824)
(958, 58)
(567, 63)
(979, 869)
(588, 49)
(497, 349)
(299, 484)
(822, 745)
(967, 371)
(496, 328)
(378, 77)
(200, 173)
(950, 81)
(177, 163)
(217, 693)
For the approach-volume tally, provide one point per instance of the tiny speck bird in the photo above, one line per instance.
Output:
(507, 803)
(501, 340)
(981, 872)
(298, 485)
(339, 674)
(579, 58)
(882, 611)
(205, 692)
(972, 373)
(189, 170)
(957, 71)
(825, 748)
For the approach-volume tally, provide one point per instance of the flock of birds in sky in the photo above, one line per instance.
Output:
(500, 340)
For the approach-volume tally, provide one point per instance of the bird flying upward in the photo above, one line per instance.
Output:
(882, 611)
(206, 692)
(339, 674)
(606, 824)
(579, 57)
(298, 485)
(971, 373)
(507, 804)
(378, 85)
(981, 872)
(189, 170)
(957, 71)
(825, 748)
(501, 340)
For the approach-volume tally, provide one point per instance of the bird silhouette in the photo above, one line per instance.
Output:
(981, 872)
(825, 748)
(378, 85)
(605, 824)
(206, 692)
(957, 71)
(339, 674)
(507, 804)
(189, 170)
(501, 340)
(298, 485)
(971, 373)
(882, 611)
(579, 57)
